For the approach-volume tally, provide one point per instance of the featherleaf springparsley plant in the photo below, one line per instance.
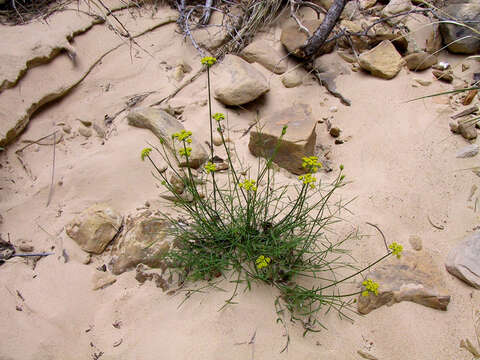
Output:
(241, 224)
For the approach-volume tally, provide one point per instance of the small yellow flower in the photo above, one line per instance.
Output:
(370, 287)
(262, 262)
(185, 152)
(248, 185)
(210, 167)
(218, 117)
(145, 153)
(396, 249)
(183, 135)
(208, 61)
(308, 179)
(311, 163)
(284, 130)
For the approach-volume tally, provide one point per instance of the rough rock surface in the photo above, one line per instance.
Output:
(463, 260)
(395, 7)
(261, 52)
(95, 227)
(420, 61)
(293, 38)
(468, 151)
(470, 12)
(144, 241)
(382, 61)
(414, 277)
(292, 78)
(298, 142)
(163, 125)
(236, 82)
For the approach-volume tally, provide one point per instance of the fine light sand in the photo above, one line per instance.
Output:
(399, 158)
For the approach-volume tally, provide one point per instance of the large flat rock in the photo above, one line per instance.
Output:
(463, 260)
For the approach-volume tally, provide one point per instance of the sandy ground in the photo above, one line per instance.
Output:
(400, 159)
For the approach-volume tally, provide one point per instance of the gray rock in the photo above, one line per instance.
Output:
(463, 261)
(145, 240)
(382, 61)
(468, 151)
(95, 227)
(420, 61)
(415, 277)
(261, 52)
(298, 142)
(451, 33)
(236, 82)
(163, 125)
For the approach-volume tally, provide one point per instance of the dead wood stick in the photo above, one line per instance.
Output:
(381, 233)
(465, 112)
(26, 168)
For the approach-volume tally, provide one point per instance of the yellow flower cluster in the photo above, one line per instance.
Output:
(145, 153)
(308, 179)
(262, 262)
(311, 163)
(248, 185)
(210, 167)
(370, 287)
(218, 117)
(396, 249)
(185, 152)
(208, 61)
(183, 135)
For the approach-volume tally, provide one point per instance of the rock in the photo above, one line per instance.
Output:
(350, 11)
(261, 52)
(144, 273)
(398, 37)
(213, 36)
(395, 7)
(145, 240)
(67, 129)
(324, 3)
(415, 277)
(452, 34)
(293, 38)
(177, 184)
(85, 132)
(236, 82)
(292, 78)
(86, 123)
(350, 58)
(334, 132)
(434, 40)
(420, 61)
(454, 127)
(415, 242)
(361, 43)
(163, 125)
(423, 82)
(467, 129)
(186, 196)
(100, 130)
(298, 142)
(463, 260)
(25, 246)
(366, 355)
(468, 151)
(367, 4)
(443, 75)
(101, 280)
(95, 227)
(382, 61)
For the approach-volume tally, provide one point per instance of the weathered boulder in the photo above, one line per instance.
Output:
(414, 277)
(463, 260)
(468, 151)
(298, 142)
(145, 240)
(214, 35)
(163, 125)
(398, 37)
(95, 227)
(460, 39)
(382, 61)
(467, 129)
(293, 38)
(261, 52)
(236, 82)
(420, 61)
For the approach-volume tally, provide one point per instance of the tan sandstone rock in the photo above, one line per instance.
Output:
(261, 52)
(299, 140)
(236, 82)
(382, 61)
(95, 227)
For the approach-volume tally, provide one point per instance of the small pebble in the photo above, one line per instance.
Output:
(333, 109)
(415, 242)
(85, 132)
(335, 132)
(67, 129)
